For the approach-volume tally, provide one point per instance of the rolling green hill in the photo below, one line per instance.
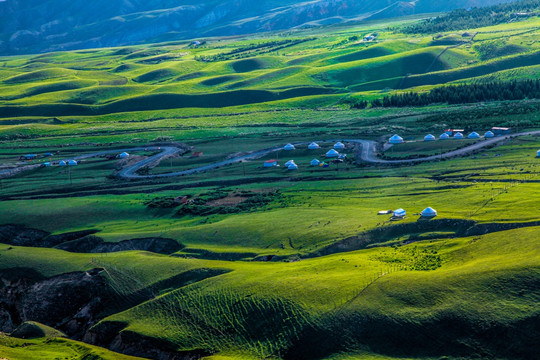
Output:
(248, 262)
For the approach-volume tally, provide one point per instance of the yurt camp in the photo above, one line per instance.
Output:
(396, 139)
(292, 166)
(444, 136)
(332, 153)
(339, 146)
(289, 147)
(399, 213)
(429, 212)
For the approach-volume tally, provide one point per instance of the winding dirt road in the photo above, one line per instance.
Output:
(368, 154)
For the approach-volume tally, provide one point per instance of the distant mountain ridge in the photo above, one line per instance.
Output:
(32, 26)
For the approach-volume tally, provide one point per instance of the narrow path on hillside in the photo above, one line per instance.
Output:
(368, 154)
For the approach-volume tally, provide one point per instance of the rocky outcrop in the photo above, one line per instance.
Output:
(70, 302)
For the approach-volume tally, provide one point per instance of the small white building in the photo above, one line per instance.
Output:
(123, 155)
(270, 163)
(538, 154)
(332, 153)
(339, 146)
(444, 136)
(473, 135)
(429, 137)
(458, 136)
(72, 163)
(429, 212)
(489, 134)
(292, 166)
(289, 147)
(315, 162)
(313, 146)
(396, 139)
(62, 163)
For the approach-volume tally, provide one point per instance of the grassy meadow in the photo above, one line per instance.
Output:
(308, 270)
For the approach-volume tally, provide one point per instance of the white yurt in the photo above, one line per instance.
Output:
(400, 212)
(62, 163)
(458, 136)
(72, 163)
(538, 154)
(315, 162)
(489, 134)
(444, 136)
(339, 146)
(396, 139)
(47, 164)
(332, 153)
(429, 137)
(292, 167)
(429, 212)
(289, 147)
(290, 162)
(473, 135)
(123, 155)
(313, 146)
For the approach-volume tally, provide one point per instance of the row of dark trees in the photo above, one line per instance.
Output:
(462, 94)
(476, 17)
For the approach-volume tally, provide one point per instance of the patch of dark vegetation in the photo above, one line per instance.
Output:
(476, 17)
(207, 204)
(252, 50)
(463, 94)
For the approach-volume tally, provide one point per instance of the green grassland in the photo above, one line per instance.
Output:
(54, 348)
(312, 272)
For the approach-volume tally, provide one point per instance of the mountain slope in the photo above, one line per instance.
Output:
(38, 26)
